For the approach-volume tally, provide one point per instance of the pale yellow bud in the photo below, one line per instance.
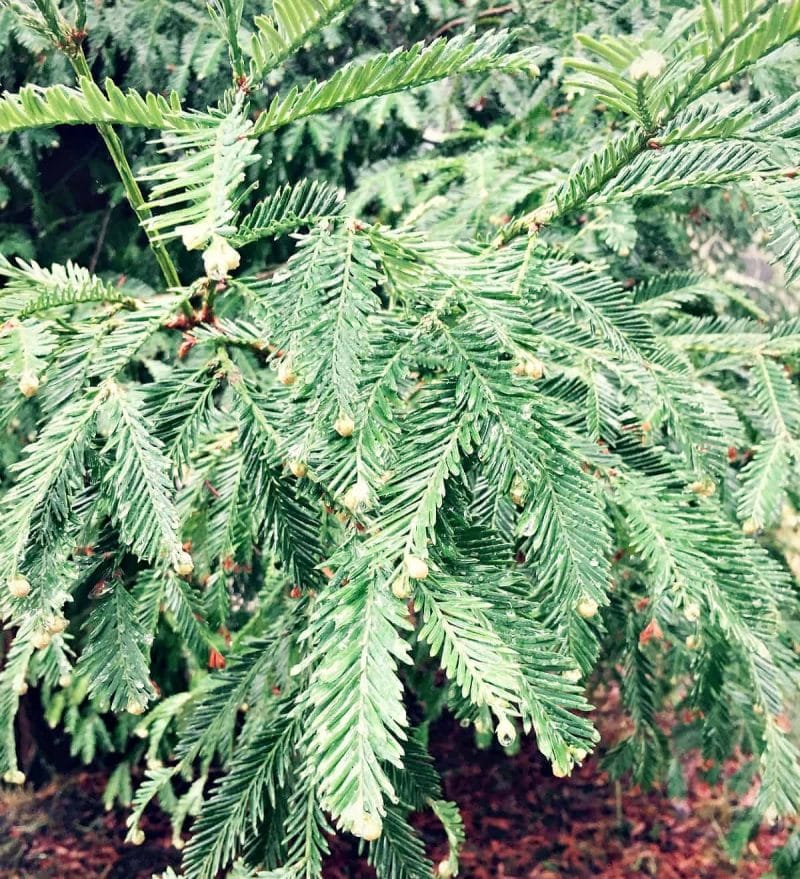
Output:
(136, 836)
(183, 565)
(692, 610)
(286, 375)
(401, 588)
(344, 425)
(58, 625)
(649, 63)
(417, 568)
(357, 496)
(298, 469)
(445, 869)
(506, 732)
(29, 383)
(40, 640)
(692, 642)
(19, 586)
(573, 674)
(219, 258)
(750, 527)
(21, 687)
(367, 826)
(65, 681)
(135, 707)
(195, 235)
(587, 608)
(534, 368)
(14, 776)
(703, 487)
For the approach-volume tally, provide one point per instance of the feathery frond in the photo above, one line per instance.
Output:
(394, 72)
(35, 107)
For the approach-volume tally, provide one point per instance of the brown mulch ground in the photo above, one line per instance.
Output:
(62, 831)
(521, 824)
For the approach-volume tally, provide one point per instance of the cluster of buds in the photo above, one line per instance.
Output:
(219, 258)
(531, 367)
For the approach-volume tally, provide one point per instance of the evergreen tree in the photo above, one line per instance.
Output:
(434, 429)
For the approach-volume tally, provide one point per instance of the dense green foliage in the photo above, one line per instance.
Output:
(344, 366)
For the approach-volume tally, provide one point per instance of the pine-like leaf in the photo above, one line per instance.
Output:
(779, 203)
(14, 670)
(459, 632)
(399, 852)
(48, 478)
(399, 70)
(357, 719)
(37, 107)
(763, 482)
(31, 289)
(115, 659)
(138, 481)
(199, 189)
(294, 23)
(302, 204)
(238, 801)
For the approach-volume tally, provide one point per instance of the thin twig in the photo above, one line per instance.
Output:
(465, 19)
(100, 238)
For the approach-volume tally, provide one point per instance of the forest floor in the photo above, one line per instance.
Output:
(521, 823)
